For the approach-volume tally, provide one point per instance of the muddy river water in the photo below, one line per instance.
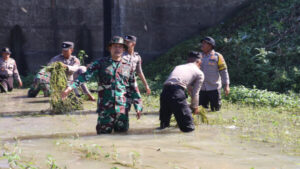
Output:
(72, 142)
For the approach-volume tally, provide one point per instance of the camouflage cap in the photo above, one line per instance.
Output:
(210, 41)
(5, 50)
(67, 45)
(117, 40)
(130, 38)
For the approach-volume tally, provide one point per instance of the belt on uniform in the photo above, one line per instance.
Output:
(173, 86)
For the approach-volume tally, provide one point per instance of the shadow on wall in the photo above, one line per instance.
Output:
(85, 42)
(16, 43)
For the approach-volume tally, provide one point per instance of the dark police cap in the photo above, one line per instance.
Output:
(194, 54)
(210, 41)
(6, 50)
(117, 40)
(130, 38)
(67, 45)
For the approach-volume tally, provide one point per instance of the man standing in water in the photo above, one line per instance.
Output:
(135, 59)
(8, 71)
(116, 78)
(173, 97)
(216, 74)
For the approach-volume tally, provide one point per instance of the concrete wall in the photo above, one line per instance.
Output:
(161, 24)
(46, 23)
(158, 24)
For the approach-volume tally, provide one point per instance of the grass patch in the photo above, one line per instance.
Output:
(101, 153)
(254, 120)
(264, 124)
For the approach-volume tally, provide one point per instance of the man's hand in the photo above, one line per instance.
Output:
(227, 90)
(64, 65)
(138, 115)
(195, 110)
(65, 93)
(20, 83)
(148, 90)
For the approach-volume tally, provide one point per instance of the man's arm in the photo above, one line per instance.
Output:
(141, 75)
(196, 89)
(72, 69)
(135, 95)
(224, 74)
(92, 69)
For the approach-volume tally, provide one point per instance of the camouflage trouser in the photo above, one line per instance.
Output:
(35, 89)
(107, 122)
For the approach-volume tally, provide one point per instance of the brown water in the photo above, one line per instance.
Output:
(69, 139)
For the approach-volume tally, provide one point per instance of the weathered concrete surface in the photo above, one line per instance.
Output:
(45, 24)
(159, 24)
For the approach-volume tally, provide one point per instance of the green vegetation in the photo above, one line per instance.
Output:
(13, 154)
(261, 46)
(51, 162)
(101, 153)
(256, 97)
(252, 120)
(264, 124)
(58, 83)
(82, 56)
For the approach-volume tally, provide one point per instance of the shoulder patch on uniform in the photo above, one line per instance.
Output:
(221, 62)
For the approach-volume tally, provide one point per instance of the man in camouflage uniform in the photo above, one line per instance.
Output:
(216, 74)
(135, 59)
(85, 90)
(41, 82)
(8, 71)
(116, 78)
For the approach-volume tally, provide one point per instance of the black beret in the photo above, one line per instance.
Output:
(6, 50)
(67, 45)
(194, 54)
(130, 38)
(210, 41)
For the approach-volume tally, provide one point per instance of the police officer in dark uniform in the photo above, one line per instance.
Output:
(173, 99)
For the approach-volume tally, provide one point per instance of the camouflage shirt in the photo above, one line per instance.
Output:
(42, 76)
(115, 80)
(9, 68)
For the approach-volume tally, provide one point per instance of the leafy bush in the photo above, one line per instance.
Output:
(261, 46)
(256, 97)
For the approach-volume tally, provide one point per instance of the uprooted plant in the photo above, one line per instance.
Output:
(58, 83)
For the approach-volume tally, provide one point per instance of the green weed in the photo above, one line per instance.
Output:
(58, 83)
